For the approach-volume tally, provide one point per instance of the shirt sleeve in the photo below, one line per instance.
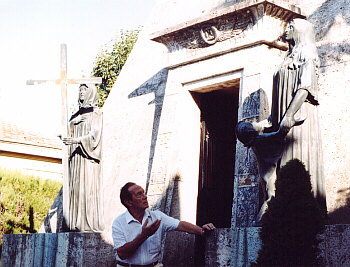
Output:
(169, 223)
(118, 235)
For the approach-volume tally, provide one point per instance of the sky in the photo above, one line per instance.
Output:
(31, 32)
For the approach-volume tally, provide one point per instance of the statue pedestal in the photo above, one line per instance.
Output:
(58, 249)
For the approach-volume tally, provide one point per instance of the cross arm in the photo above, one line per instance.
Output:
(69, 81)
(34, 82)
(85, 80)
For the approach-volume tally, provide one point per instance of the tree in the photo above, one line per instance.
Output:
(109, 62)
(292, 221)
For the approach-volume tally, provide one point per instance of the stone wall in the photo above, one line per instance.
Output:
(224, 247)
(57, 250)
(240, 246)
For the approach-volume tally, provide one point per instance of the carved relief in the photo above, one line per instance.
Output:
(231, 25)
(216, 30)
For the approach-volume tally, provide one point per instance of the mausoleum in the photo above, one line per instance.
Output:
(197, 69)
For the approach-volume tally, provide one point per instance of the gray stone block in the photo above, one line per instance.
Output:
(56, 250)
(240, 246)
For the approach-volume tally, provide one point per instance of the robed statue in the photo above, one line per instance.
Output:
(295, 99)
(85, 210)
(294, 103)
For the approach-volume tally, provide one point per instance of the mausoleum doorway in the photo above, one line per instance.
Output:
(218, 107)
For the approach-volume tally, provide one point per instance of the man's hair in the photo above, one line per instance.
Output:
(125, 194)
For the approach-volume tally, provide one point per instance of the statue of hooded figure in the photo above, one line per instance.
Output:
(85, 183)
(294, 103)
(295, 90)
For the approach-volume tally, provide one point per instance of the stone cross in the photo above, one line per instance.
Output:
(64, 81)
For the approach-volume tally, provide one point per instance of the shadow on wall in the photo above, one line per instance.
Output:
(324, 18)
(54, 222)
(342, 214)
(292, 221)
(178, 247)
(155, 85)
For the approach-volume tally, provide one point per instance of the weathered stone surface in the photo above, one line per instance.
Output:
(335, 245)
(248, 208)
(240, 246)
(179, 249)
(56, 250)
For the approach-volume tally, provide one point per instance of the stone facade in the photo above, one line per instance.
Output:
(172, 147)
(153, 122)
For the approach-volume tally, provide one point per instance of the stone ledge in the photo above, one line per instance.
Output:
(240, 246)
(56, 250)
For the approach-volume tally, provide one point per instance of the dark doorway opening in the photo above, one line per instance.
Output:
(219, 109)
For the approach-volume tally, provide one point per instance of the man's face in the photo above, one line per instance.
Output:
(138, 197)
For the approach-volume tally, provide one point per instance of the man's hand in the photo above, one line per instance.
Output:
(149, 230)
(208, 227)
(128, 249)
(195, 229)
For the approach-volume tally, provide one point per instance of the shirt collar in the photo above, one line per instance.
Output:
(129, 218)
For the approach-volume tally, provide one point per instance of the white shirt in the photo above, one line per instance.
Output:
(126, 228)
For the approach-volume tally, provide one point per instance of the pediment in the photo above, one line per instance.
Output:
(230, 28)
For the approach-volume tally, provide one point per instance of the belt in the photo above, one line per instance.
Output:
(137, 265)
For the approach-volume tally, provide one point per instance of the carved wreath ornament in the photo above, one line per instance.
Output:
(209, 34)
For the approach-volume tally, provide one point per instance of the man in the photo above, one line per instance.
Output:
(137, 233)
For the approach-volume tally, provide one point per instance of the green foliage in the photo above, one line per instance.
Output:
(24, 201)
(292, 221)
(109, 63)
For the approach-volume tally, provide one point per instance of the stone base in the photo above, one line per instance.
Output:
(240, 246)
(57, 250)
